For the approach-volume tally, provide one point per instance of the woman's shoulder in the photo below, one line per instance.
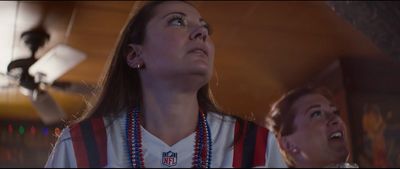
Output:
(95, 124)
(65, 135)
(73, 127)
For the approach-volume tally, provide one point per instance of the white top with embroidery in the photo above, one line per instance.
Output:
(222, 131)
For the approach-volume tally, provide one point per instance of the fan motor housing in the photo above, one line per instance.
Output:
(35, 38)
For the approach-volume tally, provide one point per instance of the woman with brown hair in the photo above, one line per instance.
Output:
(309, 129)
(156, 108)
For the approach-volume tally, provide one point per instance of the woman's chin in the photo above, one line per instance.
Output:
(341, 156)
(196, 75)
(201, 70)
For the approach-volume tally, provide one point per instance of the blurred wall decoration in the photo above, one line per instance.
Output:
(373, 86)
(373, 97)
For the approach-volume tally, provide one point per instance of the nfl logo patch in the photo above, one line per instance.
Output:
(169, 158)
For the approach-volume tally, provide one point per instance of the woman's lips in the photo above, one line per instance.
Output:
(199, 51)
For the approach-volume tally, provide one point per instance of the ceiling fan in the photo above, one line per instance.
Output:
(35, 76)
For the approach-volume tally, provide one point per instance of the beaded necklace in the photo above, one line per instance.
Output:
(202, 147)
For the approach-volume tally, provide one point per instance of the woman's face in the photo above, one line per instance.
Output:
(320, 133)
(177, 44)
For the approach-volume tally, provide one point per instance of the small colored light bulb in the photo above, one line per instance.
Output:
(21, 130)
(10, 129)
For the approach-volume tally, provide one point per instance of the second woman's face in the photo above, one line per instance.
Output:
(177, 43)
(320, 133)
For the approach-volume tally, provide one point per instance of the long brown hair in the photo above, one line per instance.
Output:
(281, 117)
(120, 89)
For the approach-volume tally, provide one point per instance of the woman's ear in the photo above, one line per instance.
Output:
(283, 143)
(134, 56)
(288, 145)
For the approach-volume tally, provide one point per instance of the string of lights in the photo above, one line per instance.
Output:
(23, 129)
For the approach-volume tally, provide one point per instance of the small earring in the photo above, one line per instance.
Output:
(295, 150)
(138, 66)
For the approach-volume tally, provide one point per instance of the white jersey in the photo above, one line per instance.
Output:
(222, 136)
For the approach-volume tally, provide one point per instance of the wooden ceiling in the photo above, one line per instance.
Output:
(262, 48)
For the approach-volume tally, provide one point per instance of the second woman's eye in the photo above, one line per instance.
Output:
(177, 21)
(336, 112)
(315, 114)
(209, 30)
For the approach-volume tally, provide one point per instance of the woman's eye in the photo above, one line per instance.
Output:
(177, 21)
(315, 114)
(336, 112)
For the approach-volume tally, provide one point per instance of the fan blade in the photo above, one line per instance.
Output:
(49, 111)
(56, 63)
(80, 88)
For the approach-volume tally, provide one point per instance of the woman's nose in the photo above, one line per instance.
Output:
(332, 118)
(199, 32)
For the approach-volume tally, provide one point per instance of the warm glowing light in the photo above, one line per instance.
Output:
(33, 130)
(57, 132)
